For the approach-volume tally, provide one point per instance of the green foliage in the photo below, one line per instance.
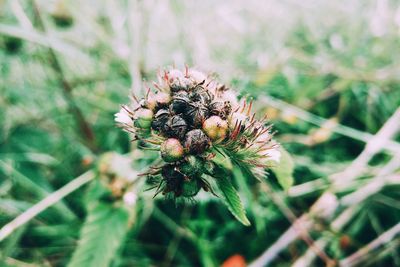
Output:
(102, 234)
(284, 169)
(328, 58)
(232, 200)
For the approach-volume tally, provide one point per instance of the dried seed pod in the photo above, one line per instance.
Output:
(196, 142)
(175, 127)
(144, 118)
(171, 150)
(201, 94)
(160, 119)
(196, 113)
(180, 102)
(221, 109)
(216, 128)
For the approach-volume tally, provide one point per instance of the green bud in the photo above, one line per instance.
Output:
(192, 167)
(190, 188)
(171, 150)
(144, 118)
(216, 128)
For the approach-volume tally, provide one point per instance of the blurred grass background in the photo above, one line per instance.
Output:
(66, 66)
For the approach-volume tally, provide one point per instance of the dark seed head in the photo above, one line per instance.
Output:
(180, 102)
(196, 142)
(221, 109)
(196, 114)
(160, 119)
(175, 127)
(201, 94)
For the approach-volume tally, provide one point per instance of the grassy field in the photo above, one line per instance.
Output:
(325, 72)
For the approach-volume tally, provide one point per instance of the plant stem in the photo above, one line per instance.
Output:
(45, 203)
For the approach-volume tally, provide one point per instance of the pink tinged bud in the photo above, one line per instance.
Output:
(171, 150)
(162, 99)
(216, 128)
(197, 76)
(175, 74)
(144, 117)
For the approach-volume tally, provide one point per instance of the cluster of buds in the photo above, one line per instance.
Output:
(189, 118)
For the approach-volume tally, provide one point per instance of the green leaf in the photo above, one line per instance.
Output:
(231, 196)
(284, 170)
(222, 159)
(101, 236)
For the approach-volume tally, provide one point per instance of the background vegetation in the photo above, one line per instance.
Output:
(325, 72)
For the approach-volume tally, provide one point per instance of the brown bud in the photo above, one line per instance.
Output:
(196, 142)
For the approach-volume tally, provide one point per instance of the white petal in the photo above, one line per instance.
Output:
(273, 154)
(122, 117)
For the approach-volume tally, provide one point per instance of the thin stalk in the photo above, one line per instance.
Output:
(45, 203)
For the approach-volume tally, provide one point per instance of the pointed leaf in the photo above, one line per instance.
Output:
(231, 197)
(101, 236)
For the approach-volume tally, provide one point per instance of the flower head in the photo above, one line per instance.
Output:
(190, 118)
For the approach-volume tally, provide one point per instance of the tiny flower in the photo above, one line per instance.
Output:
(171, 150)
